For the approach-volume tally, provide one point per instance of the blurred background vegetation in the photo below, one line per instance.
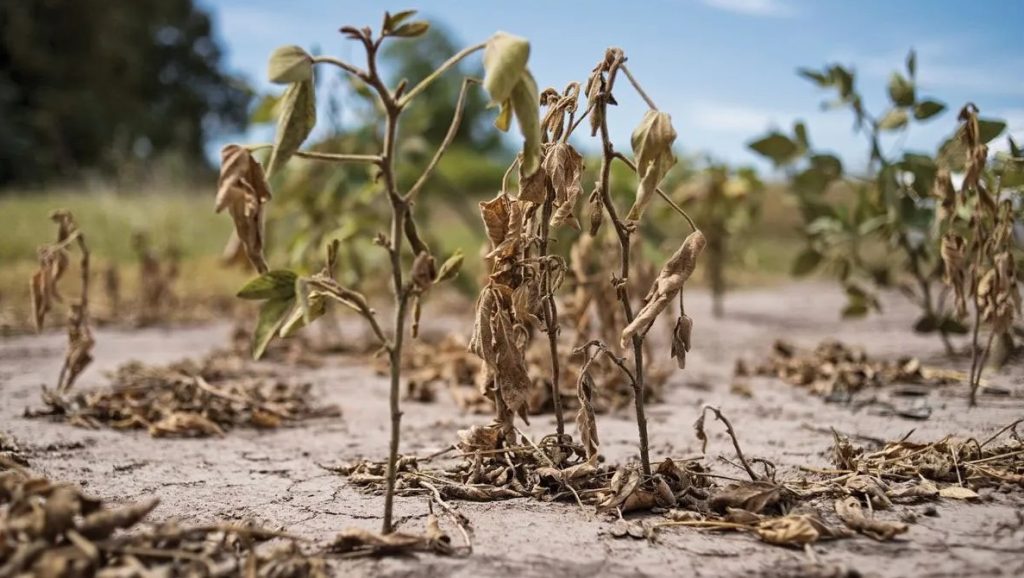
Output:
(113, 115)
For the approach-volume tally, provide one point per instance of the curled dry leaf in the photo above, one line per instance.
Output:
(242, 189)
(670, 281)
(754, 497)
(356, 541)
(564, 167)
(681, 339)
(852, 514)
(505, 58)
(797, 530)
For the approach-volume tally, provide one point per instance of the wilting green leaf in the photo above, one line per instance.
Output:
(777, 147)
(505, 58)
(270, 285)
(411, 30)
(901, 90)
(525, 104)
(894, 119)
(652, 149)
(273, 314)
(989, 129)
(450, 268)
(928, 108)
(296, 121)
(290, 64)
(806, 262)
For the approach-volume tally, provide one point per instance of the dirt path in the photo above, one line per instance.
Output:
(274, 477)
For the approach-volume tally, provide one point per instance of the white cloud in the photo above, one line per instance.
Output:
(771, 8)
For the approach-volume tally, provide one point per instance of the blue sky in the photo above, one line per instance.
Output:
(724, 69)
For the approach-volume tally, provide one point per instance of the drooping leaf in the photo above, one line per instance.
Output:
(989, 129)
(273, 314)
(289, 64)
(525, 104)
(505, 58)
(652, 142)
(242, 189)
(275, 284)
(296, 121)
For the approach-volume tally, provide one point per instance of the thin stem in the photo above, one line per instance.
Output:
(426, 82)
(636, 85)
(622, 287)
(453, 131)
(735, 442)
(329, 157)
(353, 70)
(629, 163)
(550, 309)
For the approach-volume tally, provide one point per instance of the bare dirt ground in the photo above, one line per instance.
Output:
(274, 477)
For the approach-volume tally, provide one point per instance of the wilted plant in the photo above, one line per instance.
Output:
(522, 279)
(291, 301)
(888, 214)
(53, 263)
(978, 246)
(727, 202)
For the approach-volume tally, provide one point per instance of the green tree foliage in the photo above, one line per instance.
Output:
(91, 84)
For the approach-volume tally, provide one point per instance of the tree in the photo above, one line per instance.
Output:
(85, 84)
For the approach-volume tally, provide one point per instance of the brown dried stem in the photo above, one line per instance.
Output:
(732, 436)
(453, 130)
(550, 309)
(629, 163)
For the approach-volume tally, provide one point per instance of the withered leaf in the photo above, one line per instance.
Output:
(533, 188)
(102, 524)
(958, 493)
(564, 166)
(242, 189)
(290, 64)
(670, 281)
(753, 497)
(652, 146)
(797, 530)
(681, 339)
(852, 514)
(526, 108)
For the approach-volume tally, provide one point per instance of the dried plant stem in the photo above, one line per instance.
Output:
(636, 85)
(629, 163)
(621, 284)
(454, 60)
(735, 441)
(550, 309)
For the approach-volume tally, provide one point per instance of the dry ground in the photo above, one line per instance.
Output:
(274, 476)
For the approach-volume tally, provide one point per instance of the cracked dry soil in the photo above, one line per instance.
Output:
(273, 476)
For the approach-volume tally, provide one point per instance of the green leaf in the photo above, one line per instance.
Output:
(928, 108)
(895, 119)
(290, 64)
(525, 105)
(814, 76)
(505, 58)
(315, 307)
(411, 30)
(901, 90)
(806, 262)
(393, 21)
(989, 129)
(296, 121)
(777, 147)
(273, 314)
(912, 63)
(450, 268)
(270, 285)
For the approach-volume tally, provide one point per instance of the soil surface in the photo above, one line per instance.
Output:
(275, 477)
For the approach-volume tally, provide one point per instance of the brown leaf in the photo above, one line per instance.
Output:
(564, 166)
(101, 524)
(852, 514)
(243, 190)
(681, 339)
(797, 530)
(753, 497)
(670, 281)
